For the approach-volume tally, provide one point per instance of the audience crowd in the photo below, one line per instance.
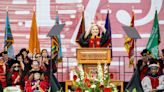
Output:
(32, 74)
(29, 74)
(151, 71)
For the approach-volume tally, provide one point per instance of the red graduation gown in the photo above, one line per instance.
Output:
(43, 86)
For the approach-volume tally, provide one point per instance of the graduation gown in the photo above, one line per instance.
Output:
(91, 41)
(43, 86)
(2, 76)
(142, 72)
(150, 82)
(11, 77)
(50, 77)
(161, 83)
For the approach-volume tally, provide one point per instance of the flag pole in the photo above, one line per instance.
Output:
(34, 48)
(5, 47)
(51, 72)
(135, 50)
(56, 86)
(111, 39)
(135, 41)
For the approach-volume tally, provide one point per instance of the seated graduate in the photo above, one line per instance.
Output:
(35, 67)
(36, 83)
(7, 60)
(26, 60)
(151, 81)
(93, 38)
(15, 74)
(46, 68)
(45, 63)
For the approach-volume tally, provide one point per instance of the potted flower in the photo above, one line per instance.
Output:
(93, 82)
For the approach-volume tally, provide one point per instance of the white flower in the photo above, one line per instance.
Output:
(80, 67)
(105, 66)
(86, 91)
(77, 80)
(112, 85)
(93, 86)
(100, 72)
(101, 82)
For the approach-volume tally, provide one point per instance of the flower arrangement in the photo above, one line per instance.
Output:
(99, 82)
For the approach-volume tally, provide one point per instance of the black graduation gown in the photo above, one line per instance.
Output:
(85, 42)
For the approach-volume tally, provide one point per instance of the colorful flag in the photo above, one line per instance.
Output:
(108, 28)
(81, 29)
(8, 38)
(154, 39)
(129, 45)
(56, 42)
(34, 44)
(55, 49)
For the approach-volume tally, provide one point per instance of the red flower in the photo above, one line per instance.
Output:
(86, 80)
(78, 89)
(89, 85)
(111, 76)
(101, 86)
(74, 77)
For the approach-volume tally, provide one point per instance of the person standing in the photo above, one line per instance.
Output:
(93, 38)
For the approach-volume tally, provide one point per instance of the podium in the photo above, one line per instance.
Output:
(90, 57)
(93, 55)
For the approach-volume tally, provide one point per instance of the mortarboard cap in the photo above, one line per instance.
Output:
(13, 62)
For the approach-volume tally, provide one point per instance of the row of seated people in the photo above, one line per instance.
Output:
(30, 75)
(151, 71)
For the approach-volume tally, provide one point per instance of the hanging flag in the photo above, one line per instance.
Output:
(108, 28)
(154, 39)
(56, 51)
(8, 38)
(129, 44)
(81, 29)
(56, 42)
(34, 44)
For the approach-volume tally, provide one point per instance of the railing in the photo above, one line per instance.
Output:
(118, 69)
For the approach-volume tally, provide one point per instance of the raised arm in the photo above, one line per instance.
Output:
(84, 42)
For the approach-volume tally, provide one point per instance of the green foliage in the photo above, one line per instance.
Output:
(134, 90)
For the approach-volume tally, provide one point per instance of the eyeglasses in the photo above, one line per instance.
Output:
(16, 66)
